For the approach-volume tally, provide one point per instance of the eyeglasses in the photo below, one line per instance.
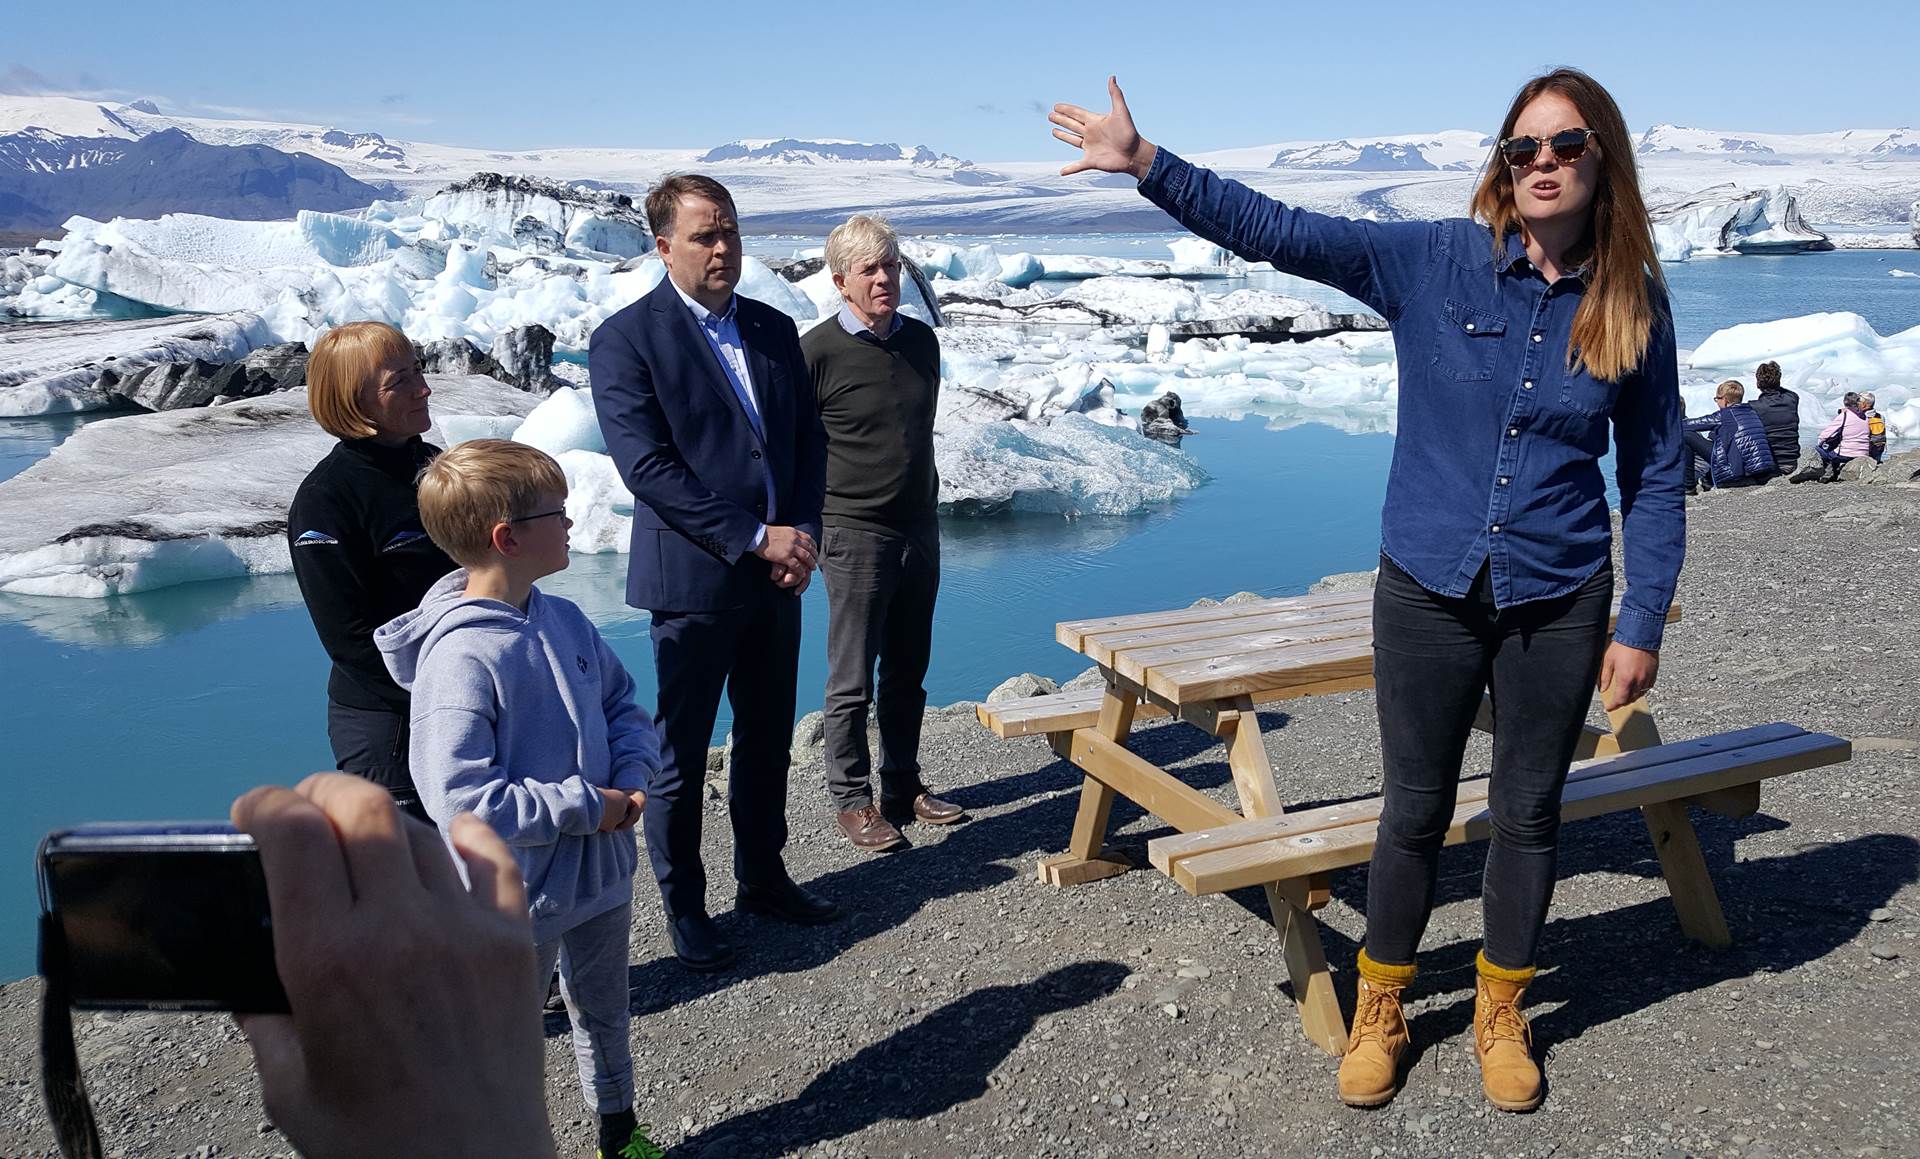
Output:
(1568, 146)
(542, 515)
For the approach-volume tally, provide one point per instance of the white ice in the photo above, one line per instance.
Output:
(58, 366)
(1821, 356)
(147, 501)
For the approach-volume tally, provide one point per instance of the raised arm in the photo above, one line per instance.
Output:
(1381, 264)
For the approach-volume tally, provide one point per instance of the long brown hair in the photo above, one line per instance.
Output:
(1610, 330)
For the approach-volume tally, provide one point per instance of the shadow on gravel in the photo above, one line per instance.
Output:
(921, 1070)
(880, 893)
(1783, 911)
(1613, 843)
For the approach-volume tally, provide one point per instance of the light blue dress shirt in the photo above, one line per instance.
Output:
(722, 332)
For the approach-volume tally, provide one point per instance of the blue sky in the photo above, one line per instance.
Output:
(967, 78)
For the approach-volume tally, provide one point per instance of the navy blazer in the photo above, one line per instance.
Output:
(686, 449)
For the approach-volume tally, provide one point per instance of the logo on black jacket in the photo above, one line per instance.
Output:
(582, 661)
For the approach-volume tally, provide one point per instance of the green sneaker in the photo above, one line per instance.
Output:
(637, 1146)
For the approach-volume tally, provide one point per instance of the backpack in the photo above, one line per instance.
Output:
(1876, 429)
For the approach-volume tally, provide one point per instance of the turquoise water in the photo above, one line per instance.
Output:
(169, 703)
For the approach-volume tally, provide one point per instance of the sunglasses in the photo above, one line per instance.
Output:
(1568, 146)
(541, 515)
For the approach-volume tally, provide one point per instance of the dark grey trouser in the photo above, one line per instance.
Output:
(880, 596)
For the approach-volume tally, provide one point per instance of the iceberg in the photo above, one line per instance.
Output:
(1135, 303)
(129, 504)
(492, 208)
(55, 367)
(1071, 466)
(397, 265)
(1730, 219)
(1822, 357)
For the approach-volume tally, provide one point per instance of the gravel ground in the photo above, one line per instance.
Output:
(965, 1009)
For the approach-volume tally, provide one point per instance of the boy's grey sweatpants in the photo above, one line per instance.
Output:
(593, 980)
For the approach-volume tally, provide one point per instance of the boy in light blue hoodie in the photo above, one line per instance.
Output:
(524, 717)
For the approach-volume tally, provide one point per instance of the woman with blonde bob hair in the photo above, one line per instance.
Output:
(359, 550)
(1526, 334)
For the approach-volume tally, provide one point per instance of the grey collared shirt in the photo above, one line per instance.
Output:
(851, 323)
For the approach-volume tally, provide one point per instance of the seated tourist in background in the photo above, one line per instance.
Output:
(1732, 440)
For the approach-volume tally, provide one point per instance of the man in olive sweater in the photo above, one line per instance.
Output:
(876, 375)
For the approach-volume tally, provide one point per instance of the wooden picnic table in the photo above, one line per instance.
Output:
(1212, 667)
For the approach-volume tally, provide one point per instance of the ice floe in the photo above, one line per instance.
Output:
(146, 501)
(53, 367)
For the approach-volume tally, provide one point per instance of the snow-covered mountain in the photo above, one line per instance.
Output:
(45, 178)
(1859, 181)
(795, 151)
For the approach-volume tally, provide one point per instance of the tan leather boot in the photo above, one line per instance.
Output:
(1370, 1072)
(1502, 1041)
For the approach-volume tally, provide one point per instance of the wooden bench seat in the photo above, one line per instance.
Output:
(1721, 772)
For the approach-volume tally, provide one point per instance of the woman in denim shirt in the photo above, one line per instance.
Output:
(1526, 335)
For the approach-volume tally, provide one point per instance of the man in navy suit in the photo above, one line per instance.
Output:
(707, 408)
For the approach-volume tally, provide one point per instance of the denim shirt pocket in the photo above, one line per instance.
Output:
(1467, 343)
(1586, 395)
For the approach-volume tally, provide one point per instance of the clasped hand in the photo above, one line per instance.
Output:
(791, 554)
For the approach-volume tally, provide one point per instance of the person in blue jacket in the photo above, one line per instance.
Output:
(1733, 441)
(1526, 335)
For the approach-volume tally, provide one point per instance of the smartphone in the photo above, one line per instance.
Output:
(159, 916)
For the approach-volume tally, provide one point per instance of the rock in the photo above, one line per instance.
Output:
(717, 759)
(1346, 581)
(809, 739)
(457, 356)
(1901, 468)
(1883, 914)
(1163, 420)
(1883, 951)
(1022, 686)
(1091, 678)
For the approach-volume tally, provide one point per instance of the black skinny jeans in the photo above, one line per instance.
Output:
(1433, 658)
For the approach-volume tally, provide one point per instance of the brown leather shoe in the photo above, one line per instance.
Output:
(868, 830)
(934, 811)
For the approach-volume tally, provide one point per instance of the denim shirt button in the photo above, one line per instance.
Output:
(1469, 327)
(1527, 385)
(1537, 337)
(1504, 480)
(1513, 432)
(1496, 527)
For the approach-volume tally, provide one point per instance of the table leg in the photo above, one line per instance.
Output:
(1290, 902)
(1086, 859)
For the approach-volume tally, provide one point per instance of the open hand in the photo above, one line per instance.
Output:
(1626, 674)
(1108, 143)
(415, 1026)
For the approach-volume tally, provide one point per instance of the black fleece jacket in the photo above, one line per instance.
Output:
(362, 558)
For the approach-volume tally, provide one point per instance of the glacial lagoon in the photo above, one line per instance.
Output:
(169, 702)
